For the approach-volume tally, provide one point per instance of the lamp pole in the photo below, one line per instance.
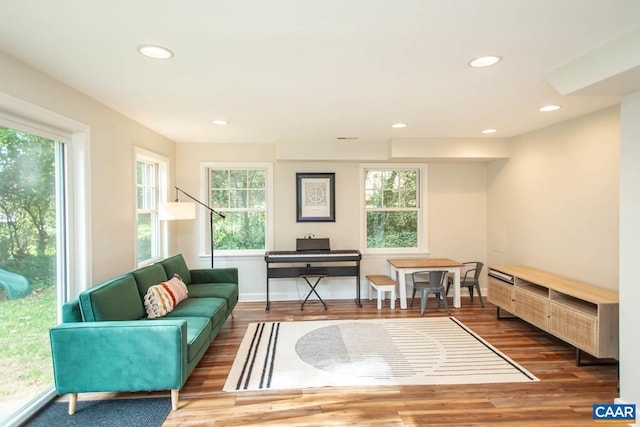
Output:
(211, 212)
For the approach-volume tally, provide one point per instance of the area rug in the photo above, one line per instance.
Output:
(144, 412)
(433, 350)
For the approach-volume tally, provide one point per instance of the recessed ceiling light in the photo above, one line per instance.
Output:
(490, 131)
(484, 61)
(220, 122)
(549, 108)
(399, 125)
(155, 52)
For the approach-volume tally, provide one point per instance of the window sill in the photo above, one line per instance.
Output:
(396, 254)
(243, 255)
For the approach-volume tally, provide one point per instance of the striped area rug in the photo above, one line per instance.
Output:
(432, 350)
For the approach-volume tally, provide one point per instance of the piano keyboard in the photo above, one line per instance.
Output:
(276, 269)
(302, 254)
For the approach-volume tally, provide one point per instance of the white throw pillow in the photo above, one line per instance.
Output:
(162, 298)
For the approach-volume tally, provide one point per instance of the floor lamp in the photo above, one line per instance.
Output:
(170, 211)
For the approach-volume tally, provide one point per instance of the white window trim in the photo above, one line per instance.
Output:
(21, 115)
(141, 154)
(423, 237)
(203, 217)
(24, 116)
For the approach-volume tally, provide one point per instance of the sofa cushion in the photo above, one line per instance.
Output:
(177, 265)
(115, 299)
(228, 291)
(148, 276)
(162, 298)
(71, 312)
(212, 308)
(198, 333)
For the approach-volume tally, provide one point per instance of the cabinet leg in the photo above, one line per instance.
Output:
(597, 362)
(503, 318)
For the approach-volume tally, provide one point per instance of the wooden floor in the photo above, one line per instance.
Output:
(563, 397)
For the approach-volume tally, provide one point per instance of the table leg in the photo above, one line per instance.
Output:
(398, 275)
(456, 288)
(402, 285)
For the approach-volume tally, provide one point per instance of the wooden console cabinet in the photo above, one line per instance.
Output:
(585, 316)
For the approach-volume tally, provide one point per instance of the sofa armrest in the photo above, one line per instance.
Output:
(119, 356)
(214, 275)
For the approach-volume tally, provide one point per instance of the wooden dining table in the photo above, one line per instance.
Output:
(399, 267)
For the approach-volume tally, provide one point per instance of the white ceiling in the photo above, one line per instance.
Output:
(306, 71)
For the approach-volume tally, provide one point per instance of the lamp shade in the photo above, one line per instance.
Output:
(170, 211)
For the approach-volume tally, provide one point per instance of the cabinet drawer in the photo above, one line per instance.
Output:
(500, 294)
(575, 327)
(532, 308)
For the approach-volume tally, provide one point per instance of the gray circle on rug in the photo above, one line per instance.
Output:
(323, 348)
(336, 347)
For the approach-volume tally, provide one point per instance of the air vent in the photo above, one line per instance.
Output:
(347, 138)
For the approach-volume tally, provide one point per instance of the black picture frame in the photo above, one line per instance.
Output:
(316, 197)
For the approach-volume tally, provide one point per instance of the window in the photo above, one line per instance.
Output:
(31, 194)
(393, 208)
(150, 182)
(49, 157)
(242, 194)
(38, 171)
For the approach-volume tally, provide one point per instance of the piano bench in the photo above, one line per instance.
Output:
(383, 284)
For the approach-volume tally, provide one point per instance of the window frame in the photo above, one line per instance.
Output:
(75, 136)
(74, 208)
(162, 166)
(203, 217)
(422, 209)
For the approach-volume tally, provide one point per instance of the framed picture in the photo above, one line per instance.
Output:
(316, 196)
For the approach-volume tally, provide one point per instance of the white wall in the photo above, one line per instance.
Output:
(554, 204)
(629, 248)
(456, 209)
(112, 140)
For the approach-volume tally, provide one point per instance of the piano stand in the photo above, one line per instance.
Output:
(340, 263)
(313, 289)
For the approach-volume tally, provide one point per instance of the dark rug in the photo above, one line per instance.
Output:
(145, 412)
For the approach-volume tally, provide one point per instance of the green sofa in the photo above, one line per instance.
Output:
(107, 343)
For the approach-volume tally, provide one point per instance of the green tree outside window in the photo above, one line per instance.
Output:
(240, 194)
(391, 208)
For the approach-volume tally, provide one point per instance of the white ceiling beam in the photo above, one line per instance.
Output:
(611, 69)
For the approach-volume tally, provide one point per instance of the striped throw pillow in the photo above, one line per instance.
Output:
(161, 299)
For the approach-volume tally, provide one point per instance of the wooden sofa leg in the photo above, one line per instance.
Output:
(174, 399)
(73, 400)
(233, 314)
